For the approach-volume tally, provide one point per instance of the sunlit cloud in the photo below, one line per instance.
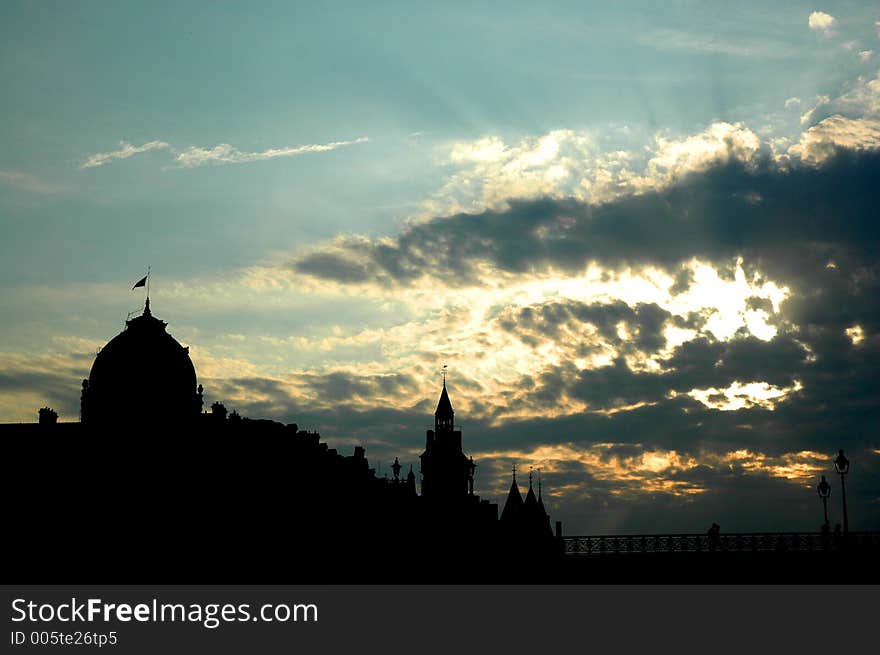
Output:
(717, 144)
(632, 468)
(826, 138)
(728, 300)
(579, 164)
(744, 396)
(820, 101)
(803, 466)
(856, 334)
(821, 22)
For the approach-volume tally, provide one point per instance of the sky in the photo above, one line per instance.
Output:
(642, 236)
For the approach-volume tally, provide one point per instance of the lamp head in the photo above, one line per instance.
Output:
(841, 464)
(824, 488)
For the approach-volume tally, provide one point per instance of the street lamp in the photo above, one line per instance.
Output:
(824, 490)
(841, 465)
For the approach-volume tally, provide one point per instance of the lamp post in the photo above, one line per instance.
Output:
(841, 465)
(824, 490)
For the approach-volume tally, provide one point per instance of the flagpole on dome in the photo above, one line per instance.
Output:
(144, 282)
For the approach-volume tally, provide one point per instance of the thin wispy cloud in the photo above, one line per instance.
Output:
(700, 43)
(125, 151)
(224, 153)
(28, 182)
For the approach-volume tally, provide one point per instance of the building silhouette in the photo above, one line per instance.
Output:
(447, 473)
(144, 374)
(525, 518)
(183, 489)
(149, 485)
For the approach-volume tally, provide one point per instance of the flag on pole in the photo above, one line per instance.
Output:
(140, 283)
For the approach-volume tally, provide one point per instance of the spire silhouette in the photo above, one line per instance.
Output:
(530, 501)
(444, 416)
(514, 502)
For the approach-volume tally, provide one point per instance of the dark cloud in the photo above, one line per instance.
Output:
(805, 215)
(342, 387)
(331, 266)
(547, 321)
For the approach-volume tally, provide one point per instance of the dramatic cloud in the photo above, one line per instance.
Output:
(730, 209)
(125, 151)
(729, 322)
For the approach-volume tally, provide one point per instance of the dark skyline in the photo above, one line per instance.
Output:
(644, 242)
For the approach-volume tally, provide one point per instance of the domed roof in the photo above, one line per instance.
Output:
(142, 376)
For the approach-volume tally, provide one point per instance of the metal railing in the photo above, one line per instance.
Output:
(742, 542)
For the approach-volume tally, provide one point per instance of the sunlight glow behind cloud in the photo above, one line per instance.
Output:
(743, 396)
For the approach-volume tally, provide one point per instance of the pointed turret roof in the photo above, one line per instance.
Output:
(514, 501)
(444, 406)
(531, 500)
(540, 499)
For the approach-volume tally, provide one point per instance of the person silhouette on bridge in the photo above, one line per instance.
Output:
(714, 536)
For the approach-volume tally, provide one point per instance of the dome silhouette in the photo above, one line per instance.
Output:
(143, 376)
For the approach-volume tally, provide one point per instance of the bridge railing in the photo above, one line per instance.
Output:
(741, 542)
